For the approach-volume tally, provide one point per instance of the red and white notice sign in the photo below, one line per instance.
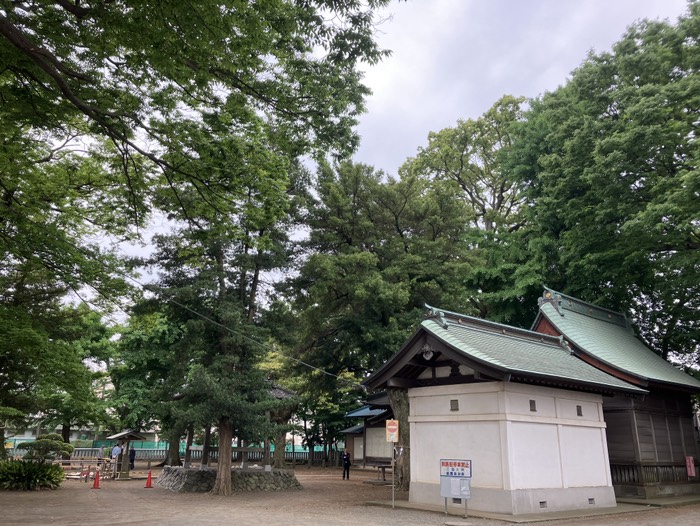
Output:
(392, 430)
(690, 466)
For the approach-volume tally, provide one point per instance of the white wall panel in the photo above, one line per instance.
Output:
(583, 456)
(535, 460)
(377, 446)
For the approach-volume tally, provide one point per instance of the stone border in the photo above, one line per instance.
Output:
(188, 480)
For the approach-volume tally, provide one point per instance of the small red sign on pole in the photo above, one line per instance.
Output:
(392, 430)
(690, 466)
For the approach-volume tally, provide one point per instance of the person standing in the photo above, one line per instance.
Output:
(116, 451)
(132, 457)
(346, 464)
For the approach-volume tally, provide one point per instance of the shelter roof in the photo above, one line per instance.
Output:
(354, 430)
(609, 338)
(377, 400)
(365, 412)
(494, 352)
(126, 435)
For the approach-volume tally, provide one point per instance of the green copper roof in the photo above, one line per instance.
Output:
(520, 353)
(608, 337)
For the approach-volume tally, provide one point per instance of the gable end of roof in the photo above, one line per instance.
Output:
(562, 302)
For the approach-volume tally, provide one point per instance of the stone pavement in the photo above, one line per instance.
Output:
(325, 500)
(624, 506)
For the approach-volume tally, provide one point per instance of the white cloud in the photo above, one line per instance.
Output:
(452, 59)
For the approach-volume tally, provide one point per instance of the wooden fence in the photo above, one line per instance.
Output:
(252, 455)
(636, 474)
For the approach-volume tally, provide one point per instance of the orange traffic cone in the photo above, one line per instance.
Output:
(149, 483)
(96, 484)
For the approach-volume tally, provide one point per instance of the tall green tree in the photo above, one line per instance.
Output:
(105, 103)
(611, 163)
(148, 371)
(378, 250)
(214, 378)
(77, 402)
(211, 272)
(471, 158)
(113, 109)
(470, 155)
(44, 372)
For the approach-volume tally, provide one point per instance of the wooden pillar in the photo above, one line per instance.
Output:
(123, 462)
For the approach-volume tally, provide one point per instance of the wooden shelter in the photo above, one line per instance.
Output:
(651, 439)
(367, 443)
(123, 438)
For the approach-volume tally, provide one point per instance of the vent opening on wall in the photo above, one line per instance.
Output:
(456, 501)
(591, 501)
(543, 504)
(533, 405)
(579, 410)
(454, 405)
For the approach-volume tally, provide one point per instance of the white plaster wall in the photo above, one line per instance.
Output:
(433, 403)
(534, 455)
(479, 442)
(359, 448)
(518, 403)
(377, 446)
(566, 408)
(584, 457)
(519, 456)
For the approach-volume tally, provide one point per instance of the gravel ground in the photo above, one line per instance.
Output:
(325, 499)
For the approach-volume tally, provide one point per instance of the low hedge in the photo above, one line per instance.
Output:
(25, 475)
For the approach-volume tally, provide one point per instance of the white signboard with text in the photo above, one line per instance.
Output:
(455, 478)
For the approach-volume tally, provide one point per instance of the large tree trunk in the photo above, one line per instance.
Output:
(188, 445)
(222, 486)
(173, 456)
(281, 417)
(3, 451)
(65, 432)
(398, 398)
(206, 446)
(278, 457)
(65, 435)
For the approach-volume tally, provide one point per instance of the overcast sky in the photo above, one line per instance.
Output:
(452, 59)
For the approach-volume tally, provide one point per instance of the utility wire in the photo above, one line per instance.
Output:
(210, 320)
(252, 340)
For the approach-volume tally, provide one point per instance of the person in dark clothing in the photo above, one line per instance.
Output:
(346, 464)
(132, 457)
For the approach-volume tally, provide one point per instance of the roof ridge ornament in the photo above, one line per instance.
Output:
(432, 312)
(565, 345)
(549, 296)
(426, 351)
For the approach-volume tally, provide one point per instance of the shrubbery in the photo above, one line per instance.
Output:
(46, 447)
(35, 471)
(24, 475)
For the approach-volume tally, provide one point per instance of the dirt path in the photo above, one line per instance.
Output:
(325, 500)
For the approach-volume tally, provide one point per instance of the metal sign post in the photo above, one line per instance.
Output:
(392, 435)
(455, 480)
(393, 472)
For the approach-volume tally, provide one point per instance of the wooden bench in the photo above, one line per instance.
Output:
(381, 463)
